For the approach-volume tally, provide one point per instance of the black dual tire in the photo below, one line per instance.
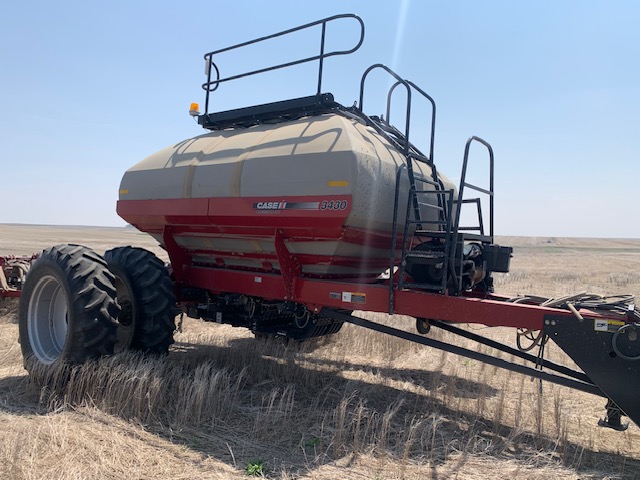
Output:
(67, 308)
(144, 292)
(70, 305)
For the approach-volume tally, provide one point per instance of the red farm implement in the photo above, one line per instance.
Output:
(288, 217)
(13, 271)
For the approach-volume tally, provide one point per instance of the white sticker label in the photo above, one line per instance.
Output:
(601, 325)
(257, 279)
(354, 297)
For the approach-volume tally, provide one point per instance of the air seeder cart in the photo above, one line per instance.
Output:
(287, 217)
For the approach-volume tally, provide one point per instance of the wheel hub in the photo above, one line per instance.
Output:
(47, 319)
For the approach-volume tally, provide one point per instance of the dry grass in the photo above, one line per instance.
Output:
(359, 405)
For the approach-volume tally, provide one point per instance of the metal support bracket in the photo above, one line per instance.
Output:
(465, 352)
(607, 351)
(289, 266)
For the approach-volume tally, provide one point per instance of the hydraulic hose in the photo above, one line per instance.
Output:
(614, 341)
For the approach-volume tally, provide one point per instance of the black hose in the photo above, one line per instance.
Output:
(614, 342)
(621, 305)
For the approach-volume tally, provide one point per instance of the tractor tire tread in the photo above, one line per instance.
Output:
(154, 290)
(92, 307)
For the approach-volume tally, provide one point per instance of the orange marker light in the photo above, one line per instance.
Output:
(194, 110)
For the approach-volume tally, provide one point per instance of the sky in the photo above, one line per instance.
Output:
(88, 89)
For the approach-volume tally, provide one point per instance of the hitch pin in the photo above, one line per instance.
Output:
(575, 311)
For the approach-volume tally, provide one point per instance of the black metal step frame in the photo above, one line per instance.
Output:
(460, 233)
(440, 226)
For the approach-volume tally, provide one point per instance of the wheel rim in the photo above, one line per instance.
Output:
(47, 319)
(126, 317)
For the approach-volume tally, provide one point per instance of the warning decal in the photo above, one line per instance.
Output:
(605, 325)
(352, 297)
(601, 325)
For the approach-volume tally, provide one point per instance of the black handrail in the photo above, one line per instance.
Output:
(433, 112)
(432, 136)
(400, 81)
(464, 184)
(212, 84)
(406, 148)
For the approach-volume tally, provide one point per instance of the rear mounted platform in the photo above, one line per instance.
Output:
(306, 105)
(269, 112)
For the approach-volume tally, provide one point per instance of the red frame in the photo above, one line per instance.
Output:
(315, 294)
(238, 217)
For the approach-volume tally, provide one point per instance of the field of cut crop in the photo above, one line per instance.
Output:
(357, 405)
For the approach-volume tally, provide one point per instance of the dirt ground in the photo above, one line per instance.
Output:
(358, 405)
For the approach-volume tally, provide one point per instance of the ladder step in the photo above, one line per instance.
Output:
(475, 237)
(424, 286)
(429, 233)
(425, 254)
(427, 222)
(434, 192)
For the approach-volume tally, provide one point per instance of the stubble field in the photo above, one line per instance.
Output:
(356, 405)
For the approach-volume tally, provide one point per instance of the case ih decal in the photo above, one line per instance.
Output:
(283, 205)
(278, 205)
